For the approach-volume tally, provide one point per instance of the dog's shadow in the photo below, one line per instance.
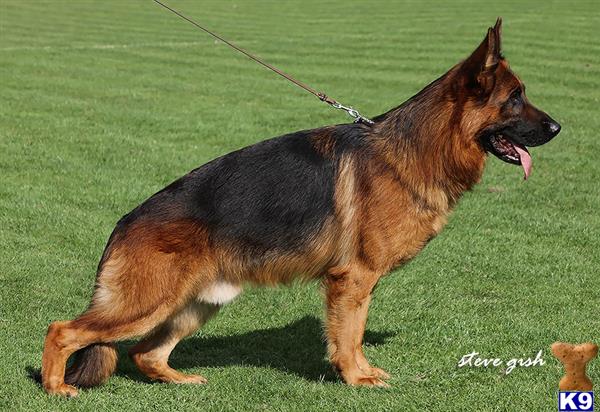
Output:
(296, 348)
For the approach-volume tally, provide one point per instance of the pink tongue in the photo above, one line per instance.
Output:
(525, 159)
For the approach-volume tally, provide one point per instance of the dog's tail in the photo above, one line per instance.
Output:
(92, 365)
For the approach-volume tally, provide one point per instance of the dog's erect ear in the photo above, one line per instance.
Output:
(480, 66)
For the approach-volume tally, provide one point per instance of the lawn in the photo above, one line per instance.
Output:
(104, 103)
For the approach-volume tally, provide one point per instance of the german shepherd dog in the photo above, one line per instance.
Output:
(344, 204)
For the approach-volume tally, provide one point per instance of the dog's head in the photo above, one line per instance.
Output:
(505, 121)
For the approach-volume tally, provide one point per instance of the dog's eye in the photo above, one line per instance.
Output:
(515, 96)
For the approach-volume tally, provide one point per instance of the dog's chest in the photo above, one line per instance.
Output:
(396, 225)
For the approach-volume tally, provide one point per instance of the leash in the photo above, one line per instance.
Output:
(358, 118)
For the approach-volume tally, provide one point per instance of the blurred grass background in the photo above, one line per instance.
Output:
(104, 103)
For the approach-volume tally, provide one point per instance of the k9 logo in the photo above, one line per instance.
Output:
(575, 401)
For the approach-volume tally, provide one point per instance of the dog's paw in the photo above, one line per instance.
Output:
(379, 373)
(191, 380)
(365, 380)
(370, 381)
(64, 390)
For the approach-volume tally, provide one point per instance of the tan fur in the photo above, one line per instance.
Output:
(348, 289)
(152, 353)
(139, 286)
(346, 210)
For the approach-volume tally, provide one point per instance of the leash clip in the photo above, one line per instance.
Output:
(352, 112)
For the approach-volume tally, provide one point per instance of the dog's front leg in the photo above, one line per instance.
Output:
(361, 360)
(348, 291)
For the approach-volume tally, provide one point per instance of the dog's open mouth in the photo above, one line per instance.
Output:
(509, 151)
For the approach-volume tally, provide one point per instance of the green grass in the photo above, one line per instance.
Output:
(103, 103)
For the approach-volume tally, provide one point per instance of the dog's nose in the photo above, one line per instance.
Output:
(552, 128)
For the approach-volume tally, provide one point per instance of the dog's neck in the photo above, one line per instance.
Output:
(424, 134)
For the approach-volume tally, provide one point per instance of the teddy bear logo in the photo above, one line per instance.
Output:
(575, 359)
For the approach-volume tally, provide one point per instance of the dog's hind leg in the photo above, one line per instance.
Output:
(151, 355)
(62, 340)
(91, 335)
(141, 284)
